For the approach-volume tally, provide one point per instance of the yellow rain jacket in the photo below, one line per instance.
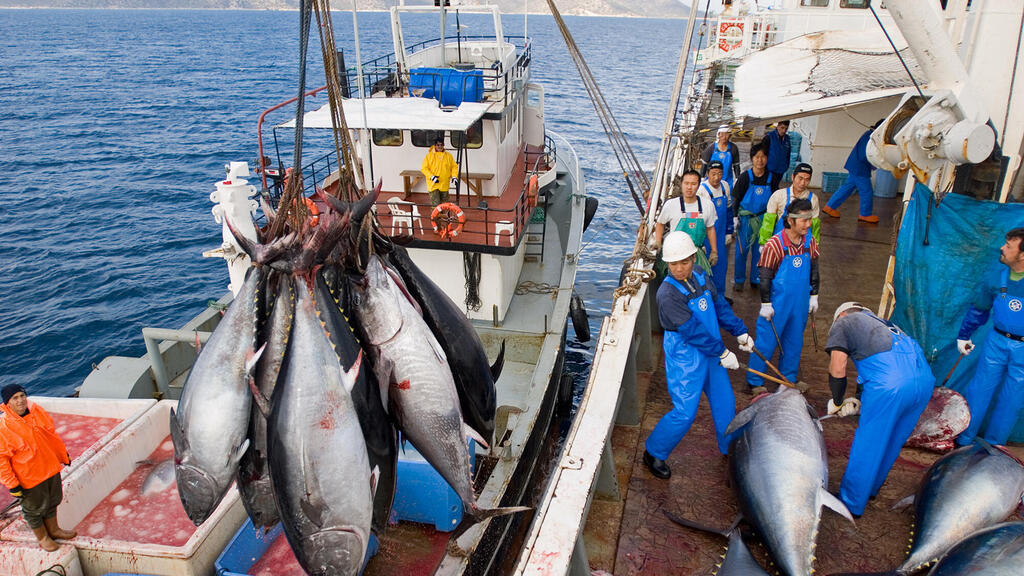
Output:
(440, 164)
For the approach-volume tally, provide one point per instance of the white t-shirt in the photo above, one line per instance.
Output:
(723, 189)
(673, 209)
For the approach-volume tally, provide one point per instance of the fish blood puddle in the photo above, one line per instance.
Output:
(278, 560)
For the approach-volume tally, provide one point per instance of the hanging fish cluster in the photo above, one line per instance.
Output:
(335, 342)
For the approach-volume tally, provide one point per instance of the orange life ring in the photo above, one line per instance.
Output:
(531, 192)
(448, 220)
(314, 212)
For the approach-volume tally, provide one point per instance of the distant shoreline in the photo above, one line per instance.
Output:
(140, 9)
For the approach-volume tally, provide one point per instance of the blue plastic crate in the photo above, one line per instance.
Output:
(831, 181)
(423, 496)
(250, 544)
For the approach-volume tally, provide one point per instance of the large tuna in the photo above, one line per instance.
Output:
(209, 427)
(994, 551)
(737, 561)
(415, 378)
(966, 490)
(780, 474)
(474, 377)
(318, 463)
(254, 483)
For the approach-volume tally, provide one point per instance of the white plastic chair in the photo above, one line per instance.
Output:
(403, 217)
(503, 226)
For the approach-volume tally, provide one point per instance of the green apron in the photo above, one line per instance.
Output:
(754, 224)
(693, 224)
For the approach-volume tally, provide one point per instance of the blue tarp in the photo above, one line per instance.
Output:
(935, 284)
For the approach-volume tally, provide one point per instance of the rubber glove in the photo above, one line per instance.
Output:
(735, 222)
(812, 305)
(766, 311)
(434, 179)
(713, 259)
(849, 407)
(728, 239)
(16, 492)
(964, 346)
(746, 342)
(729, 361)
(454, 182)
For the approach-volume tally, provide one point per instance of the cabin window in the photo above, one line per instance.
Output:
(387, 137)
(472, 138)
(854, 3)
(425, 138)
(818, 3)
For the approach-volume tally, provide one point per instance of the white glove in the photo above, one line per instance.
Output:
(729, 361)
(812, 306)
(849, 407)
(454, 182)
(766, 311)
(434, 179)
(736, 223)
(713, 259)
(728, 239)
(964, 346)
(746, 342)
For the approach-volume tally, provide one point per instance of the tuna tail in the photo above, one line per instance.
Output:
(499, 363)
(359, 209)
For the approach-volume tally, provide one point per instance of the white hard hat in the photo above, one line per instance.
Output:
(848, 306)
(678, 246)
(724, 128)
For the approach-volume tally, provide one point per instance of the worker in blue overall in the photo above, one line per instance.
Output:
(696, 359)
(1001, 368)
(725, 152)
(776, 144)
(897, 384)
(858, 179)
(750, 195)
(775, 211)
(720, 193)
(789, 293)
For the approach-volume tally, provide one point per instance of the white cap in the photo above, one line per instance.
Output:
(845, 306)
(678, 246)
(724, 128)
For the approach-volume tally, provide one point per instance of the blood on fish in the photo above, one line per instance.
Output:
(403, 385)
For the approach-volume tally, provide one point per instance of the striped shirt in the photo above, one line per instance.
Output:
(772, 254)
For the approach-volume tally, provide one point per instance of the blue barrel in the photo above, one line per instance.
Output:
(450, 87)
(886, 185)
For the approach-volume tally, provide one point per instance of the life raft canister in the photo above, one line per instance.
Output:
(531, 192)
(448, 220)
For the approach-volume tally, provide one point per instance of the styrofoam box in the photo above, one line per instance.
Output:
(20, 558)
(94, 479)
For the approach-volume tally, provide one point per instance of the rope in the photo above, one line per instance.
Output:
(531, 287)
(898, 55)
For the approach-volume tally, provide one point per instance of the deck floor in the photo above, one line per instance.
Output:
(632, 536)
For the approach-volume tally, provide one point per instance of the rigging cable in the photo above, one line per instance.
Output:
(898, 55)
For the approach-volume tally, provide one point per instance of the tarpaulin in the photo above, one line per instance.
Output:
(936, 282)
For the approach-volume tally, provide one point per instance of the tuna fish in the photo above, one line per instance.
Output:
(209, 427)
(994, 551)
(417, 383)
(321, 475)
(474, 377)
(737, 560)
(966, 490)
(779, 471)
(253, 482)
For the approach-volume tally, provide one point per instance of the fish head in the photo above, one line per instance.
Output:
(198, 491)
(377, 299)
(338, 550)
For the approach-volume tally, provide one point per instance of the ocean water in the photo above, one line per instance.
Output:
(115, 125)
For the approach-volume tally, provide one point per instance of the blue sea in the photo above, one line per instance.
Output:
(115, 125)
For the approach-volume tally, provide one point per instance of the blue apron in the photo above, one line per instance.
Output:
(721, 268)
(791, 293)
(897, 386)
(751, 213)
(726, 159)
(1001, 369)
(688, 372)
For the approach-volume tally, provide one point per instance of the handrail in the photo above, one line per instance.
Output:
(259, 129)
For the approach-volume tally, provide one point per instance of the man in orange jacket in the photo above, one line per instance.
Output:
(31, 458)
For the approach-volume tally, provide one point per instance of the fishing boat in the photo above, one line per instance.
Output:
(503, 247)
(831, 66)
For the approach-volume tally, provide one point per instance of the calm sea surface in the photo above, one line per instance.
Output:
(114, 126)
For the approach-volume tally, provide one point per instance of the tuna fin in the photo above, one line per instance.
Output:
(178, 438)
(313, 513)
(383, 369)
(499, 363)
(743, 418)
(239, 452)
(252, 358)
(475, 515)
(374, 476)
(830, 501)
(476, 436)
(262, 404)
(904, 503)
(984, 444)
(352, 374)
(695, 526)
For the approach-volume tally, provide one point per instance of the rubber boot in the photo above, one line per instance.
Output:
(55, 531)
(45, 542)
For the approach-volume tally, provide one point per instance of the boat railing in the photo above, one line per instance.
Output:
(571, 161)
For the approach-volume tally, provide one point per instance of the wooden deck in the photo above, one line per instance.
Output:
(632, 536)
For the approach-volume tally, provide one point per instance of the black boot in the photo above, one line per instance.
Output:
(657, 467)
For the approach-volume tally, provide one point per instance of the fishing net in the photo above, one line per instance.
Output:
(839, 72)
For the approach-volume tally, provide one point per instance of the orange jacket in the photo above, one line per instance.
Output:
(30, 450)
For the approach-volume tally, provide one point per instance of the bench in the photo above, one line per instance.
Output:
(474, 181)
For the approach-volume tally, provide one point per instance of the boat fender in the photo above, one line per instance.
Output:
(589, 209)
(580, 322)
(448, 220)
(531, 192)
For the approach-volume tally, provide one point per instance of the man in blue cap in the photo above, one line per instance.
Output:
(1001, 369)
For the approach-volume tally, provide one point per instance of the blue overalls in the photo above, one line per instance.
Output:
(723, 225)
(751, 212)
(1001, 368)
(897, 386)
(791, 293)
(859, 179)
(688, 372)
(726, 159)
